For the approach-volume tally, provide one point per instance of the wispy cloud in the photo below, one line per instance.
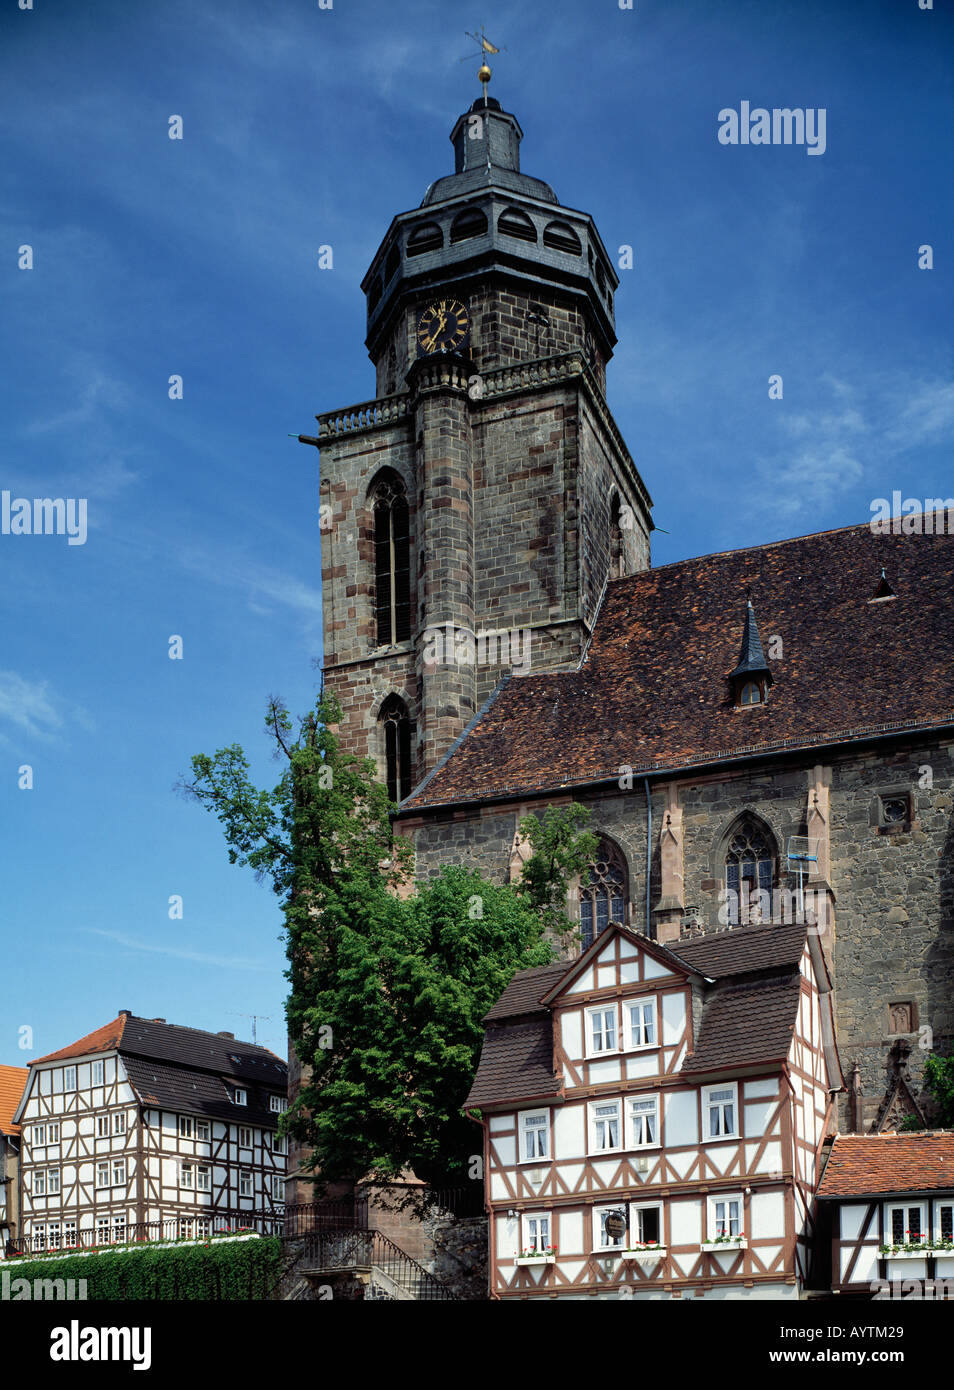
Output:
(178, 952)
(32, 708)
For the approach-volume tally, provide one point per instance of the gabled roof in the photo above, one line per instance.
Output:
(12, 1082)
(862, 1165)
(653, 692)
(746, 1021)
(194, 1092)
(105, 1039)
(516, 1063)
(742, 949)
(526, 989)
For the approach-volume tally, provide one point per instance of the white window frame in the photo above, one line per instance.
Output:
(636, 1209)
(102, 1168)
(119, 1166)
(277, 1104)
(279, 1144)
(97, 1073)
(186, 1127)
(712, 1219)
(120, 1122)
(278, 1188)
(53, 1132)
(103, 1236)
(53, 1235)
(38, 1140)
(940, 1202)
(594, 1120)
(246, 1183)
(535, 1240)
(69, 1079)
(601, 1242)
(39, 1182)
(642, 1099)
(245, 1143)
(203, 1130)
(70, 1235)
(187, 1177)
(203, 1177)
(592, 1032)
(102, 1126)
(239, 1096)
(635, 1036)
(119, 1229)
(905, 1208)
(530, 1128)
(709, 1091)
(53, 1182)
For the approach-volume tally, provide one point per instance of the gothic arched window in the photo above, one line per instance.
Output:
(617, 565)
(392, 562)
(604, 893)
(396, 724)
(749, 872)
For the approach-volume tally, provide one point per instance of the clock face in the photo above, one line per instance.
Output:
(443, 326)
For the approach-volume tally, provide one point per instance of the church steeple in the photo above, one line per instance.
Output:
(751, 678)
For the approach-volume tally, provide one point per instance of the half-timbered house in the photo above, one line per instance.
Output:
(889, 1204)
(654, 1117)
(151, 1128)
(12, 1081)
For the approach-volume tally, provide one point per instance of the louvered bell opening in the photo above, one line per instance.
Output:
(516, 224)
(400, 521)
(469, 224)
(425, 237)
(382, 572)
(560, 237)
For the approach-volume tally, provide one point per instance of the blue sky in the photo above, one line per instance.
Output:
(306, 127)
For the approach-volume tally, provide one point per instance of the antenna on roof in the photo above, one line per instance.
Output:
(801, 851)
(267, 1018)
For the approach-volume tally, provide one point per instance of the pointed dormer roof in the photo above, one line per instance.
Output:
(752, 659)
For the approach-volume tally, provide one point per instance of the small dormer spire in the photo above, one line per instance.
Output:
(751, 678)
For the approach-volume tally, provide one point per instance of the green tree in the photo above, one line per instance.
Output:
(387, 993)
(939, 1080)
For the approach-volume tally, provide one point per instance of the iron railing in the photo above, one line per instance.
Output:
(338, 1251)
(341, 1213)
(65, 1233)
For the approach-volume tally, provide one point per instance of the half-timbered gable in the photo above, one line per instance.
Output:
(889, 1203)
(654, 1117)
(143, 1122)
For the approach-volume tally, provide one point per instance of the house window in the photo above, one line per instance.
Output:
(102, 1126)
(119, 1122)
(203, 1178)
(646, 1224)
(240, 1097)
(39, 1136)
(102, 1230)
(203, 1227)
(392, 562)
(396, 726)
(725, 1217)
(944, 1216)
(244, 1137)
(53, 1133)
(53, 1181)
(642, 1023)
(609, 1228)
(185, 1126)
(604, 894)
(97, 1074)
(202, 1130)
(39, 1183)
(907, 1224)
(750, 694)
(278, 1189)
(119, 1229)
(536, 1232)
(69, 1079)
(643, 1122)
(70, 1240)
(602, 1029)
(245, 1184)
(119, 1172)
(279, 1144)
(186, 1175)
(277, 1104)
(604, 1125)
(720, 1111)
(102, 1175)
(53, 1236)
(534, 1135)
(749, 873)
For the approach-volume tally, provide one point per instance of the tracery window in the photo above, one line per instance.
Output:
(397, 747)
(392, 562)
(603, 897)
(749, 872)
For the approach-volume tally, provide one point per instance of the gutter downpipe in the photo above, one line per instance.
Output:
(649, 849)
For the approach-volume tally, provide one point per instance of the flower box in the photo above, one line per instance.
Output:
(926, 1252)
(536, 1259)
(644, 1253)
(714, 1246)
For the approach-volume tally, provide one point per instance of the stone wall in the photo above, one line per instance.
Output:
(461, 1257)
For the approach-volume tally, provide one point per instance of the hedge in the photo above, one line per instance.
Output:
(220, 1271)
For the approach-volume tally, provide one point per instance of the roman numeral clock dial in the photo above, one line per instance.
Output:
(444, 326)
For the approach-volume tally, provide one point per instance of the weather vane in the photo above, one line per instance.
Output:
(484, 46)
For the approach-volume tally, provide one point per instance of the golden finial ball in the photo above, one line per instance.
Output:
(484, 73)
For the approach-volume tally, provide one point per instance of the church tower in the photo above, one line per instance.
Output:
(473, 511)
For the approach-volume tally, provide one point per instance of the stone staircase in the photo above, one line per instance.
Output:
(373, 1260)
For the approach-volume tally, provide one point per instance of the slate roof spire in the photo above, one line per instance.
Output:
(752, 659)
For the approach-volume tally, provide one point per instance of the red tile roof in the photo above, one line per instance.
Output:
(105, 1039)
(12, 1082)
(867, 1164)
(653, 690)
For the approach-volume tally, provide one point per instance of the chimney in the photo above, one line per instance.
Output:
(158, 1020)
(125, 1013)
(226, 1035)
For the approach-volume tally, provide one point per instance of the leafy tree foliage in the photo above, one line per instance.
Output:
(939, 1079)
(388, 985)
